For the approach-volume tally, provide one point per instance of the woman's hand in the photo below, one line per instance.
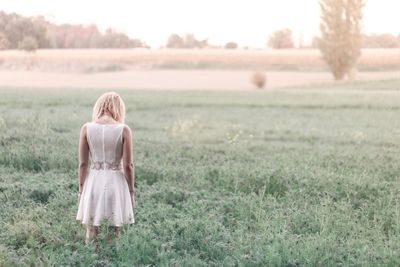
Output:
(132, 199)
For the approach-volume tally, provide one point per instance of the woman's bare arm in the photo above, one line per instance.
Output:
(129, 167)
(83, 157)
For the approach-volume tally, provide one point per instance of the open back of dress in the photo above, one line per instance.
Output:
(105, 193)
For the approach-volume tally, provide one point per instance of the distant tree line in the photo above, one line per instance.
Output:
(186, 41)
(283, 39)
(189, 41)
(383, 40)
(30, 33)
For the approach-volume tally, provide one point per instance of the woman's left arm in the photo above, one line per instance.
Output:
(83, 157)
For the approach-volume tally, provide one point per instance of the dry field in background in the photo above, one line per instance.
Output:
(176, 79)
(111, 60)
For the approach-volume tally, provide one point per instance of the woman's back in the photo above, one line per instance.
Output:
(105, 144)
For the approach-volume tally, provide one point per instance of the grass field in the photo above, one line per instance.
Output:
(302, 177)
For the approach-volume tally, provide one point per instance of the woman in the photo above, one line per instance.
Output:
(107, 190)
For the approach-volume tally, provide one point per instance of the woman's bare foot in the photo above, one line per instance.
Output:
(113, 234)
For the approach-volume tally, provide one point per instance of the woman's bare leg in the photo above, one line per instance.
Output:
(113, 233)
(92, 232)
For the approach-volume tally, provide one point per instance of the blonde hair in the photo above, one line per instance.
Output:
(109, 102)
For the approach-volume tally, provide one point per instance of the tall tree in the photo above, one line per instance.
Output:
(341, 37)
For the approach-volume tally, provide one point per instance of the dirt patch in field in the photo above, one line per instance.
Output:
(173, 79)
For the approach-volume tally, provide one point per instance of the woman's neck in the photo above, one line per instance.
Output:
(107, 118)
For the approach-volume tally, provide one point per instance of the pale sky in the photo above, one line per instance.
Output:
(247, 22)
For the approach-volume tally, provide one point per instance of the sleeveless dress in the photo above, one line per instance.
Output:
(105, 192)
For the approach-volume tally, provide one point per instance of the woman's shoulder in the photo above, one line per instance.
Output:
(126, 127)
(84, 126)
(126, 130)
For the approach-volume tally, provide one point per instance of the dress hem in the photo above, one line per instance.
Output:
(93, 224)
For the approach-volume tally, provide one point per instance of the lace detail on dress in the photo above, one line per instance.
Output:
(100, 165)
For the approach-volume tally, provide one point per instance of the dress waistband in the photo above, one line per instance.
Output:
(104, 165)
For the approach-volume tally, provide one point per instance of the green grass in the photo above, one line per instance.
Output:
(294, 177)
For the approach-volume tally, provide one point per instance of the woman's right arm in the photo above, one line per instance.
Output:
(128, 165)
(83, 157)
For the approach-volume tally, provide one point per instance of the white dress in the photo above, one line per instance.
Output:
(105, 192)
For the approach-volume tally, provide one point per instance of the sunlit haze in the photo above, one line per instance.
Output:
(247, 22)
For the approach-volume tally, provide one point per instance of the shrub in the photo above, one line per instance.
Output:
(175, 41)
(259, 79)
(231, 45)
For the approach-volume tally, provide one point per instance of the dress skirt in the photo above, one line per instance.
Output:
(105, 195)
